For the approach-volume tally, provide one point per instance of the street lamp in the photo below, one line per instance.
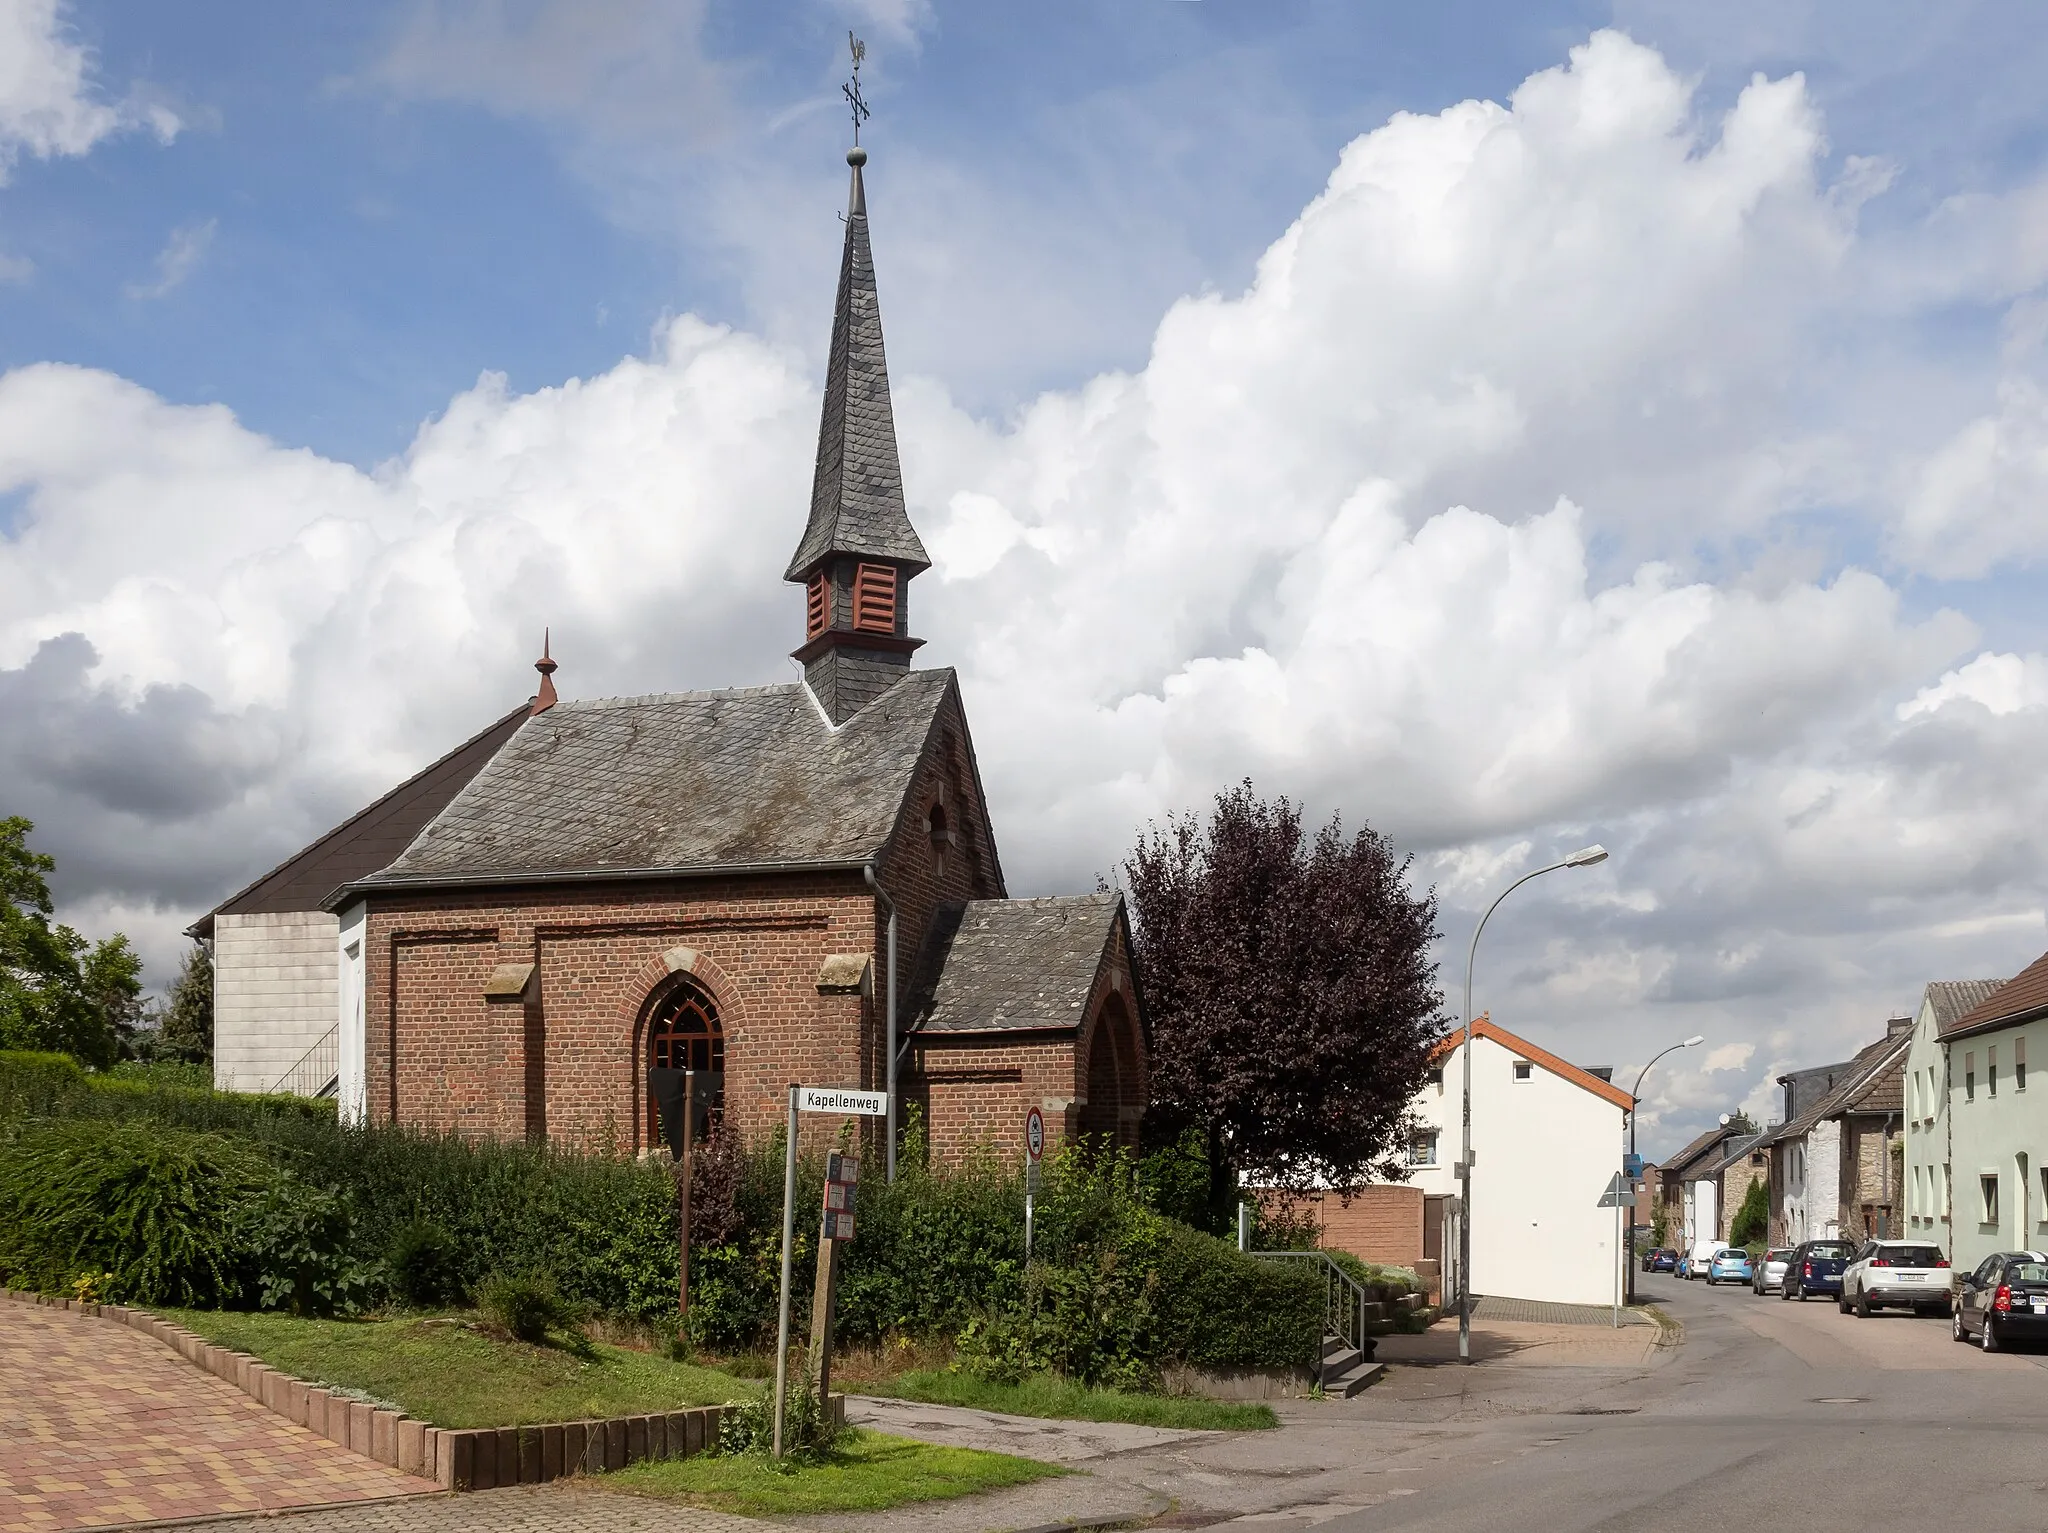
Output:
(1585, 857)
(1635, 1096)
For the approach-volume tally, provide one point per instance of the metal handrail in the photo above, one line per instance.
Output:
(1344, 1302)
(326, 1072)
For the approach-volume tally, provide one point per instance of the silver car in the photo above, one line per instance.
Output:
(1769, 1276)
(1906, 1273)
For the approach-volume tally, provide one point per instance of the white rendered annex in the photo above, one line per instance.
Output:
(1547, 1139)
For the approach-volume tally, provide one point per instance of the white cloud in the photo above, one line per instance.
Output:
(1410, 526)
(179, 258)
(48, 106)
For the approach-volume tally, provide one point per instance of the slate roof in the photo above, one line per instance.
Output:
(1012, 965)
(2022, 997)
(1953, 999)
(369, 839)
(689, 782)
(857, 491)
(1677, 1165)
(1734, 1150)
(1864, 1090)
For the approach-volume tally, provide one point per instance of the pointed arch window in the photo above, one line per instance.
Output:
(684, 1034)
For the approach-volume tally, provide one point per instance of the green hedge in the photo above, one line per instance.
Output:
(1115, 1289)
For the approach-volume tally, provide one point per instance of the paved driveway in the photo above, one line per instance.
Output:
(100, 1425)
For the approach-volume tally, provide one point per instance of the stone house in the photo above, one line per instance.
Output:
(1689, 1185)
(766, 885)
(1832, 1166)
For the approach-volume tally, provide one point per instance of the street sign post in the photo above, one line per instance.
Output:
(835, 1224)
(1620, 1194)
(841, 1101)
(1034, 1149)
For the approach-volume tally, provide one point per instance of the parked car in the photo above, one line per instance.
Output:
(1815, 1266)
(1665, 1260)
(2004, 1300)
(1730, 1264)
(1910, 1273)
(1770, 1271)
(1700, 1256)
(1683, 1266)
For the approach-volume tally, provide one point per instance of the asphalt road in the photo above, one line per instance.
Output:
(1769, 1410)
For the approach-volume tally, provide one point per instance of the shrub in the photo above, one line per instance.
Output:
(34, 1084)
(748, 1426)
(1219, 1308)
(162, 1210)
(529, 1308)
(422, 1263)
(1753, 1218)
(296, 1253)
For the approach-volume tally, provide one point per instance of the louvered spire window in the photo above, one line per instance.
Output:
(874, 598)
(817, 605)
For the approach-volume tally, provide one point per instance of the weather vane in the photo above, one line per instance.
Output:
(851, 90)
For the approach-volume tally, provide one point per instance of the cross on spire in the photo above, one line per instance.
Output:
(851, 89)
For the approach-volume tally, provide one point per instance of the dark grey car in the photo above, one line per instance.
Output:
(2005, 1299)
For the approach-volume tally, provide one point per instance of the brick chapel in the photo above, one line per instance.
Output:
(763, 884)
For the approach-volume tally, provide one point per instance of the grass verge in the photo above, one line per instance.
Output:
(866, 1472)
(447, 1372)
(1060, 1399)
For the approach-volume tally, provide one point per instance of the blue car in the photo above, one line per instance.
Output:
(1730, 1264)
(1816, 1267)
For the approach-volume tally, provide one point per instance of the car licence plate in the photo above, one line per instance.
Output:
(1912, 1277)
(2041, 1306)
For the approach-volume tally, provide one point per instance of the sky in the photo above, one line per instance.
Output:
(1507, 425)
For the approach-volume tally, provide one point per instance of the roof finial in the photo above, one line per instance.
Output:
(855, 101)
(545, 698)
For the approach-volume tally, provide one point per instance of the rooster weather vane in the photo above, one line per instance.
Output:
(851, 90)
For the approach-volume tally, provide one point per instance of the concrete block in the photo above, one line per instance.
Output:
(551, 1452)
(508, 1455)
(316, 1411)
(529, 1455)
(359, 1414)
(475, 1460)
(431, 1456)
(455, 1460)
(270, 1389)
(575, 1447)
(295, 1393)
(693, 1439)
(384, 1436)
(252, 1383)
(412, 1446)
(614, 1443)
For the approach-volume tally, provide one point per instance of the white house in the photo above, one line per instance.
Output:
(1997, 1121)
(280, 961)
(1547, 1139)
(1929, 1180)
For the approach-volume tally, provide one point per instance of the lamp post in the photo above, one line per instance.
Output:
(1585, 857)
(1635, 1096)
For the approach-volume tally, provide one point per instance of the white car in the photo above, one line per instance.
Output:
(1703, 1255)
(1907, 1273)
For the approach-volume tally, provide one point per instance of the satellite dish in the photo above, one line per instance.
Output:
(1726, 1120)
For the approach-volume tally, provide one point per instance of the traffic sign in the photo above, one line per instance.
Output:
(1632, 1167)
(841, 1099)
(1034, 1134)
(1618, 1194)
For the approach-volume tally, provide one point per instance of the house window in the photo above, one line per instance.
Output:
(1436, 1076)
(1969, 1077)
(1524, 1072)
(2019, 1064)
(1991, 1070)
(874, 598)
(1987, 1188)
(1422, 1149)
(817, 605)
(941, 836)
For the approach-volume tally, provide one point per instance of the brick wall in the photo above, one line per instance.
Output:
(974, 1090)
(1381, 1223)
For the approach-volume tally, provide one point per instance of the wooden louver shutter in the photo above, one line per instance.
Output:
(818, 606)
(874, 598)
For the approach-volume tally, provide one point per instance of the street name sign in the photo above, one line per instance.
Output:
(842, 1099)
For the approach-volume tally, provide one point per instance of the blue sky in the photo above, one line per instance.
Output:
(1683, 411)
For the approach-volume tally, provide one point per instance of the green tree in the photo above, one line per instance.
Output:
(1753, 1219)
(185, 1025)
(57, 991)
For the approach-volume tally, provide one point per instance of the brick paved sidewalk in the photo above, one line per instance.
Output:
(101, 1425)
(563, 1507)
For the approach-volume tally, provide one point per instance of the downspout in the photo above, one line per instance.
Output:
(889, 1126)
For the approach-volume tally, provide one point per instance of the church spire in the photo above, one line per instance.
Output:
(859, 552)
(857, 490)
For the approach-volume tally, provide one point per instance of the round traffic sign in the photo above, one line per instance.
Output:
(1034, 1133)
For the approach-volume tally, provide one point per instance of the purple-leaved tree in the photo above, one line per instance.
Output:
(1292, 999)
